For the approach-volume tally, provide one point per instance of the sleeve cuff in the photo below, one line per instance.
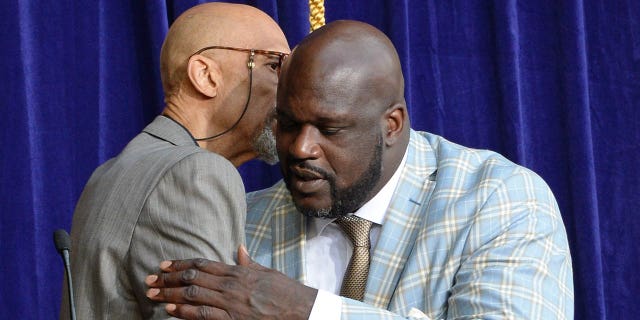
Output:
(327, 306)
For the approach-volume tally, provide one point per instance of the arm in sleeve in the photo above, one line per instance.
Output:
(197, 210)
(515, 262)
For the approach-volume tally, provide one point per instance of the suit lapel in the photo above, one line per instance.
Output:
(402, 222)
(289, 230)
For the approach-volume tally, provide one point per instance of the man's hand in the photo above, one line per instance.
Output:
(203, 289)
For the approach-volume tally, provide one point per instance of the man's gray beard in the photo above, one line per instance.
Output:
(265, 145)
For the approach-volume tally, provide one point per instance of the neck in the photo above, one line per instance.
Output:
(393, 158)
(225, 145)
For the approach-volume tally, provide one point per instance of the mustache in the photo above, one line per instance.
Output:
(305, 165)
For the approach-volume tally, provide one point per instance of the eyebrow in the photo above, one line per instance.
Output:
(321, 120)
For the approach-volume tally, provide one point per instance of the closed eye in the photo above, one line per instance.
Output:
(330, 131)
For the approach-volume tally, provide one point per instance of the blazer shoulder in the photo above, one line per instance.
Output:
(194, 166)
(454, 157)
(469, 174)
(206, 161)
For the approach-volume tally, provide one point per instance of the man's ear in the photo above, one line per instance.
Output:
(204, 74)
(394, 120)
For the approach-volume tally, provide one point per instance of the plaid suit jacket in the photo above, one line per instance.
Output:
(467, 235)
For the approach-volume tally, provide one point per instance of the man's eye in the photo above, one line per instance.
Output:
(330, 131)
(274, 66)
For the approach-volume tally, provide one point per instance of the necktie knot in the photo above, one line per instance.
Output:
(357, 229)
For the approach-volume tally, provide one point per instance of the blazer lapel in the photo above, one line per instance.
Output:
(289, 229)
(402, 222)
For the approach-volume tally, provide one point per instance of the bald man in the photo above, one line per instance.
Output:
(174, 191)
(449, 232)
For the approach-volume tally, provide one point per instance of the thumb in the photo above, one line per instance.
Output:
(243, 256)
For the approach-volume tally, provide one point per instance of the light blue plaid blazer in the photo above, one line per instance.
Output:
(467, 235)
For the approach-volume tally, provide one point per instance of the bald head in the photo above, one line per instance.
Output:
(224, 101)
(349, 56)
(215, 24)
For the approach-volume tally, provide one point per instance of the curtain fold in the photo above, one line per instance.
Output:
(554, 86)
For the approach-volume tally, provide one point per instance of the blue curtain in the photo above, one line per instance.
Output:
(552, 85)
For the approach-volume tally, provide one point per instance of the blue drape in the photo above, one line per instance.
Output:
(552, 85)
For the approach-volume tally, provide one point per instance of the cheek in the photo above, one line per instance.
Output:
(350, 163)
(265, 88)
(263, 101)
(343, 162)
(347, 170)
(263, 98)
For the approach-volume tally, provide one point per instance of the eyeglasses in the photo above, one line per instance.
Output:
(252, 52)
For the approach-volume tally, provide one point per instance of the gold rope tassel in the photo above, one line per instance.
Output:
(316, 14)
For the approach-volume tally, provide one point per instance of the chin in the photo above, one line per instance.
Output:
(315, 213)
(310, 207)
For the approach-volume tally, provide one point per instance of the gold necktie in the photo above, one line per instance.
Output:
(355, 278)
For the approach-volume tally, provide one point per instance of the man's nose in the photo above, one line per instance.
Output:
(306, 144)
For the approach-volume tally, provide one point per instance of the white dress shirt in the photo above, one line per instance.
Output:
(328, 250)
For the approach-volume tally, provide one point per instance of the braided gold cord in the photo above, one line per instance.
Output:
(316, 14)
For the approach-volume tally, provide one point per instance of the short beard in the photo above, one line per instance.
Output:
(264, 144)
(348, 200)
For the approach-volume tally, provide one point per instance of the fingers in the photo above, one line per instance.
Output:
(183, 278)
(193, 294)
(180, 265)
(185, 311)
(195, 271)
(194, 285)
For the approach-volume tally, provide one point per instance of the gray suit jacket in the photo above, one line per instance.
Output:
(162, 198)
